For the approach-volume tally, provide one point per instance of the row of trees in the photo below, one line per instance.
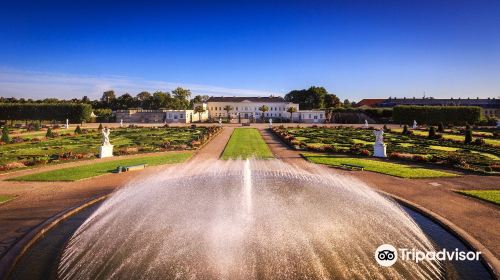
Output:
(178, 99)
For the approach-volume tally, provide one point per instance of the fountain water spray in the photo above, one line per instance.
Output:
(244, 220)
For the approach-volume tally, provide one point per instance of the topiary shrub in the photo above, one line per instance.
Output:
(100, 127)
(432, 132)
(440, 127)
(49, 133)
(479, 141)
(78, 130)
(405, 130)
(468, 136)
(5, 134)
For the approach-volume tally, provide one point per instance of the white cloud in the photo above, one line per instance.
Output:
(39, 85)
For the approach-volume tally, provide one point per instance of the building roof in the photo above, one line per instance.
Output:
(485, 103)
(267, 99)
(370, 102)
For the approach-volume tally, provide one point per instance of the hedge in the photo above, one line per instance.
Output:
(433, 115)
(76, 113)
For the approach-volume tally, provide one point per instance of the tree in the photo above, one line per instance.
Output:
(291, 110)
(228, 109)
(405, 130)
(125, 101)
(347, 103)
(199, 110)
(468, 136)
(86, 100)
(312, 98)
(181, 98)
(198, 99)
(263, 109)
(49, 133)
(331, 101)
(160, 100)
(440, 127)
(5, 134)
(78, 130)
(108, 96)
(143, 97)
(432, 132)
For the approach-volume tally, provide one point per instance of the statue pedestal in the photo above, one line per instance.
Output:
(106, 151)
(379, 150)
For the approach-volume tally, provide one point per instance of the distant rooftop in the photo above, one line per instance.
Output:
(482, 102)
(251, 99)
(373, 102)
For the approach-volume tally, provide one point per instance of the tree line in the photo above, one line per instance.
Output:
(177, 99)
(180, 99)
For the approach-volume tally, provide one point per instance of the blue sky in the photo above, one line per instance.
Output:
(356, 49)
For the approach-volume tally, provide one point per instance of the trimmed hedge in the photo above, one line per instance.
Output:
(76, 113)
(433, 115)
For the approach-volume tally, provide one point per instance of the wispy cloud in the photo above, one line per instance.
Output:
(37, 85)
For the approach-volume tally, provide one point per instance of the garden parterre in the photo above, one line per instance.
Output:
(33, 149)
(416, 147)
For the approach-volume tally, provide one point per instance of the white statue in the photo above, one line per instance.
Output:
(414, 124)
(67, 124)
(105, 136)
(271, 123)
(379, 149)
(220, 121)
(121, 122)
(106, 148)
(379, 136)
(498, 123)
(366, 124)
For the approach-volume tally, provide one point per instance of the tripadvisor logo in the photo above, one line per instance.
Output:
(387, 255)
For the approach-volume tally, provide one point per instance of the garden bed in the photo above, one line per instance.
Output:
(27, 151)
(358, 141)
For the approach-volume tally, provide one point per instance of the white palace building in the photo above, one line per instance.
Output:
(242, 109)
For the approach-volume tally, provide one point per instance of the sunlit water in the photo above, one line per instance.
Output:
(244, 220)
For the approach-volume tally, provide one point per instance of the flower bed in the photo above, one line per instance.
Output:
(23, 152)
(416, 148)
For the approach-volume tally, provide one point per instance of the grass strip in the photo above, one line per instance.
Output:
(492, 196)
(389, 168)
(100, 168)
(246, 143)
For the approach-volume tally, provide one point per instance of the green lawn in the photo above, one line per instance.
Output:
(492, 196)
(393, 169)
(246, 143)
(444, 148)
(5, 198)
(92, 170)
(86, 146)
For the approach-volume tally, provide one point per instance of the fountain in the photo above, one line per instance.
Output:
(244, 220)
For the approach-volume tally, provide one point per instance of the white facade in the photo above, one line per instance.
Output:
(248, 108)
(311, 116)
(159, 116)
